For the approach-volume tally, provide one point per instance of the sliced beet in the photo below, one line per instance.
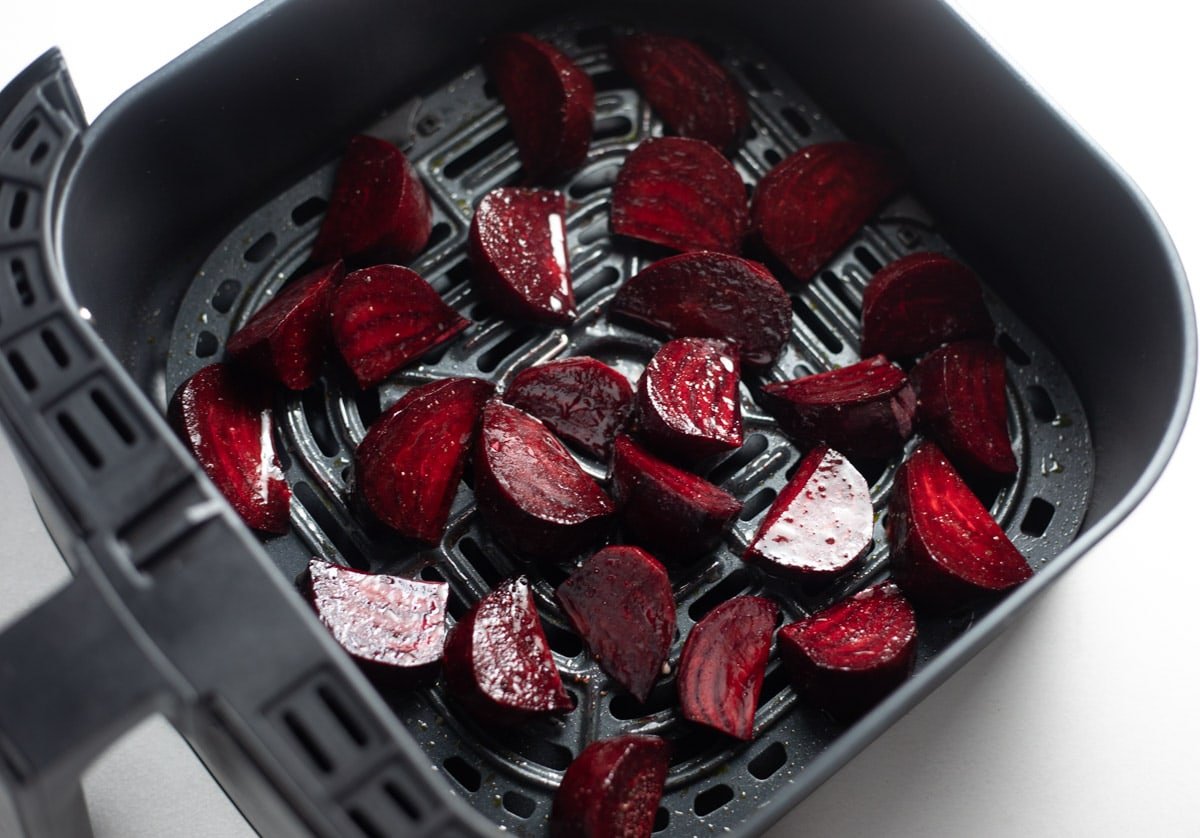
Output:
(711, 295)
(226, 423)
(519, 254)
(672, 512)
(961, 405)
(816, 199)
(849, 656)
(408, 465)
(723, 663)
(581, 399)
(820, 523)
(687, 399)
(620, 602)
(690, 91)
(385, 317)
(682, 194)
(379, 210)
(550, 103)
(864, 410)
(531, 494)
(920, 301)
(498, 663)
(947, 550)
(612, 789)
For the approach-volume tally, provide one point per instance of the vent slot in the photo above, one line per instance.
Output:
(1038, 517)
(732, 585)
(465, 774)
(308, 744)
(79, 439)
(261, 249)
(329, 524)
(867, 259)
(402, 801)
(21, 283)
(519, 804)
(768, 761)
(797, 121)
(662, 697)
(16, 213)
(365, 825)
(611, 128)
(1040, 403)
(56, 349)
(22, 371)
(338, 710)
(713, 799)
(478, 152)
(816, 326)
(754, 445)
(226, 295)
(113, 416)
(662, 819)
(831, 281)
(26, 133)
(313, 402)
(438, 234)
(489, 360)
(327, 728)
(206, 345)
(308, 210)
(759, 501)
(1014, 352)
(756, 74)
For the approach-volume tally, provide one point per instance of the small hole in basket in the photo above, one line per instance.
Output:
(519, 804)
(662, 819)
(564, 642)
(467, 775)
(225, 295)
(771, 759)
(713, 799)
(773, 684)
(662, 697)
(867, 259)
(306, 211)
(109, 411)
(460, 271)
(593, 181)
(367, 402)
(797, 121)
(611, 127)
(476, 153)
(24, 374)
(1037, 518)
(261, 249)
(39, 153)
(610, 80)
(593, 36)
(82, 444)
(307, 743)
(479, 560)
(839, 289)
(771, 156)
(365, 825)
(816, 326)
(206, 345)
(16, 214)
(729, 587)
(317, 419)
(349, 724)
(1040, 403)
(27, 131)
(21, 284)
(402, 801)
(756, 74)
(488, 361)
(759, 501)
(430, 573)
(754, 445)
(311, 501)
(1014, 352)
(440, 232)
(57, 351)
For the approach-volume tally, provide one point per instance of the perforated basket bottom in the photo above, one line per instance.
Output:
(459, 140)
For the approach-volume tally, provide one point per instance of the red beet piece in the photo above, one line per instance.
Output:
(408, 465)
(227, 426)
(519, 253)
(919, 302)
(864, 410)
(531, 493)
(821, 522)
(849, 656)
(387, 316)
(550, 102)
(612, 789)
(498, 663)
(815, 199)
(961, 404)
(682, 194)
(672, 512)
(379, 210)
(581, 399)
(946, 547)
(687, 399)
(723, 663)
(621, 604)
(711, 295)
(687, 88)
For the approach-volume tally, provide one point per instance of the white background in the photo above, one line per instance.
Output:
(1081, 721)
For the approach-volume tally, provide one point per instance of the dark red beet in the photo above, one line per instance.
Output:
(227, 426)
(946, 548)
(687, 399)
(864, 410)
(387, 316)
(961, 404)
(581, 399)
(816, 199)
(550, 102)
(620, 602)
(711, 295)
(519, 253)
(680, 193)
(498, 663)
(820, 523)
(612, 789)
(723, 663)
(532, 495)
(848, 657)
(690, 91)
(379, 211)
(672, 512)
(408, 465)
(919, 302)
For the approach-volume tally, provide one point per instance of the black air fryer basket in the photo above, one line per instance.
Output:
(131, 249)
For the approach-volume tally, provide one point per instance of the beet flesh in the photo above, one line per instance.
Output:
(612, 789)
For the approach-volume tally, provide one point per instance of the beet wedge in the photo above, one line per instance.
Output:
(669, 511)
(581, 399)
(379, 210)
(815, 200)
(620, 601)
(387, 316)
(919, 302)
(226, 423)
(946, 549)
(684, 85)
(518, 251)
(723, 663)
(682, 194)
(865, 410)
(849, 656)
(532, 495)
(711, 295)
(961, 404)
(820, 524)
(498, 663)
(286, 339)
(687, 399)
(612, 789)
(550, 101)
(408, 465)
